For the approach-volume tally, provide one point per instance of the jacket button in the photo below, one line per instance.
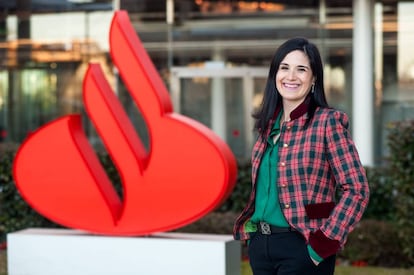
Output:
(283, 164)
(285, 145)
(287, 205)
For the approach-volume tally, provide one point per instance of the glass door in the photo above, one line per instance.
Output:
(222, 99)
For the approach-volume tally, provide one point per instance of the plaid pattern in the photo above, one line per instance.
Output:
(313, 162)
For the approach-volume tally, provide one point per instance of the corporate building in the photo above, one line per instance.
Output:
(213, 56)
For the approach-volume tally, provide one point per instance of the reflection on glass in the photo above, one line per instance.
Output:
(405, 44)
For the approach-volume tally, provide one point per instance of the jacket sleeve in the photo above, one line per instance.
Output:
(350, 177)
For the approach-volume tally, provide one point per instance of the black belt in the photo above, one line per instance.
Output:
(267, 229)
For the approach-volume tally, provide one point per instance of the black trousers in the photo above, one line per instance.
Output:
(285, 254)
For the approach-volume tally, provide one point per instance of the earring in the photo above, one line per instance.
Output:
(313, 88)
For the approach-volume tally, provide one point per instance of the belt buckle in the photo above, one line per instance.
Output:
(265, 228)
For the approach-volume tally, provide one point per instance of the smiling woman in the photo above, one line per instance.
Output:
(303, 153)
(294, 80)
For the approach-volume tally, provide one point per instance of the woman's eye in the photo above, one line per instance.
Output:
(284, 68)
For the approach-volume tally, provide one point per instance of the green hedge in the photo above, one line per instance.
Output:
(401, 143)
(375, 243)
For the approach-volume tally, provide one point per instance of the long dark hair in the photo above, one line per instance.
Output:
(272, 100)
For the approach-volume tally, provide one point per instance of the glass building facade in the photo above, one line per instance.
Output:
(213, 56)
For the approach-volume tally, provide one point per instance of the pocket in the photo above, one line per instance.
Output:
(319, 210)
(251, 243)
(252, 237)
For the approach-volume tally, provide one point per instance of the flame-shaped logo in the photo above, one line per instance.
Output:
(187, 172)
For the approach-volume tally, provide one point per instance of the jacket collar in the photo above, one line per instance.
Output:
(301, 109)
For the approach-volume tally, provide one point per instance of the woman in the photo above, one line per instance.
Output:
(294, 222)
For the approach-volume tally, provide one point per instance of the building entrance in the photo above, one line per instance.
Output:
(222, 98)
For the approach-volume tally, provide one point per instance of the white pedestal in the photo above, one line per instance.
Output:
(70, 252)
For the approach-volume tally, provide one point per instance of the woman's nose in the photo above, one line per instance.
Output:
(291, 74)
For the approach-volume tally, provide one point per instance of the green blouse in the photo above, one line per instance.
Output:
(267, 207)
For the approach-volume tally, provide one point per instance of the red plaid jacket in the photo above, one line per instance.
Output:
(313, 162)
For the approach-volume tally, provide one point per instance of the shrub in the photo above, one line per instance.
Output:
(382, 195)
(238, 198)
(401, 143)
(213, 223)
(376, 243)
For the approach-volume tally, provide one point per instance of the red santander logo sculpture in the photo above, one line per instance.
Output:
(186, 173)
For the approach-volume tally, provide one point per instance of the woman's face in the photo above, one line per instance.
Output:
(294, 78)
